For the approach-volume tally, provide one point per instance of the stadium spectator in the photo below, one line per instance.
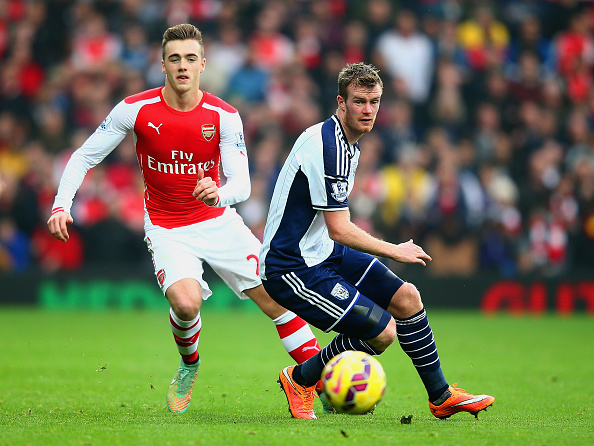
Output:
(136, 50)
(484, 39)
(446, 45)
(355, 42)
(399, 129)
(14, 247)
(407, 184)
(370, 189)
(574, 52)
(488, 128)
(308, 43)
(377, 16)
(248, 83)
(407, 56)
(531, 40)
(227, 55)
(94, 46)
(272, 49)
(447, 108)
(455, 212)
(583, 173)
(527, 84)
(503, 222)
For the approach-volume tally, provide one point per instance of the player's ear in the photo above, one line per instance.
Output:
(341, 102)
(203, 65)
(163, 66)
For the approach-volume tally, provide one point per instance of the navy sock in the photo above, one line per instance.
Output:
(416, 339)
(309, 372)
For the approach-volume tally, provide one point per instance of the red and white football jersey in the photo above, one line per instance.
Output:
(171, 146)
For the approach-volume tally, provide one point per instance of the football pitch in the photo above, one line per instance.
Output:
(100, 378)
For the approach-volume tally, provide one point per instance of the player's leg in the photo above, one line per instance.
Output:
(235, 258)
(403, 301)
(295, 334)
(179, 273)
(328, 302)
(366, 327)
(416, 339)
(185, 300)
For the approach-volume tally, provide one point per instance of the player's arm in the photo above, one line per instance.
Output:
(106, 138)
(235, 167)
(236, 189)
(342, 230)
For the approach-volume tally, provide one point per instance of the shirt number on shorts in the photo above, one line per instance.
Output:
(255, 257)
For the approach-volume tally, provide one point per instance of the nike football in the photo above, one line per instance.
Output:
(354, 382)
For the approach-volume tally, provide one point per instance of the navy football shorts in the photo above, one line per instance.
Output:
(348, 293)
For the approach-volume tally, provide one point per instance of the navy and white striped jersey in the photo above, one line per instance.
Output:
(317, 176)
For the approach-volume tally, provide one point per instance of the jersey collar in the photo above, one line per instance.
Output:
(350, 148)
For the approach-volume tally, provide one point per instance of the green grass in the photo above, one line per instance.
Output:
(80, 378)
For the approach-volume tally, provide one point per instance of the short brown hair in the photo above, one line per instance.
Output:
(184, 31)
(359, 74)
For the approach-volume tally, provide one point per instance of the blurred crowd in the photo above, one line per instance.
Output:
(482, 151)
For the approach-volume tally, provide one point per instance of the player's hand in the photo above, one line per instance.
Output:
(206, 189)
(58, 224)
(408, 252)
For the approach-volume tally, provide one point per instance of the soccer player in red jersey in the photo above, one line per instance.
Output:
(182, 135)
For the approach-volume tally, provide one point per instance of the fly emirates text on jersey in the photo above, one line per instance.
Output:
(180, 164)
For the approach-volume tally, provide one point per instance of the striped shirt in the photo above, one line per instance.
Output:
(317, 176)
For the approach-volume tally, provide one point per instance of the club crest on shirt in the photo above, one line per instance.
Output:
(339, 190)
(208, 131)
(340, 292)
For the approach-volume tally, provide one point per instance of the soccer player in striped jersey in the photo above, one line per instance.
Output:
(320, 265)
(182, 135)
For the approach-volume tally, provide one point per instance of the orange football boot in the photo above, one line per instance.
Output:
(460, 401)
(300, 398)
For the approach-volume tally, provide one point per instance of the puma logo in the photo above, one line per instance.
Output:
(310, 348)
(150, 124)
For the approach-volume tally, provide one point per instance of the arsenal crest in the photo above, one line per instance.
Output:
(161, 277)
(208, 131)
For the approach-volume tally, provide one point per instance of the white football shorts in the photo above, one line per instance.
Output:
(225, 243)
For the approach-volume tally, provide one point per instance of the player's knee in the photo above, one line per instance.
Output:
(185, 306)
(385, 338)
(185, 310)
(185, 299)
(406, 302)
